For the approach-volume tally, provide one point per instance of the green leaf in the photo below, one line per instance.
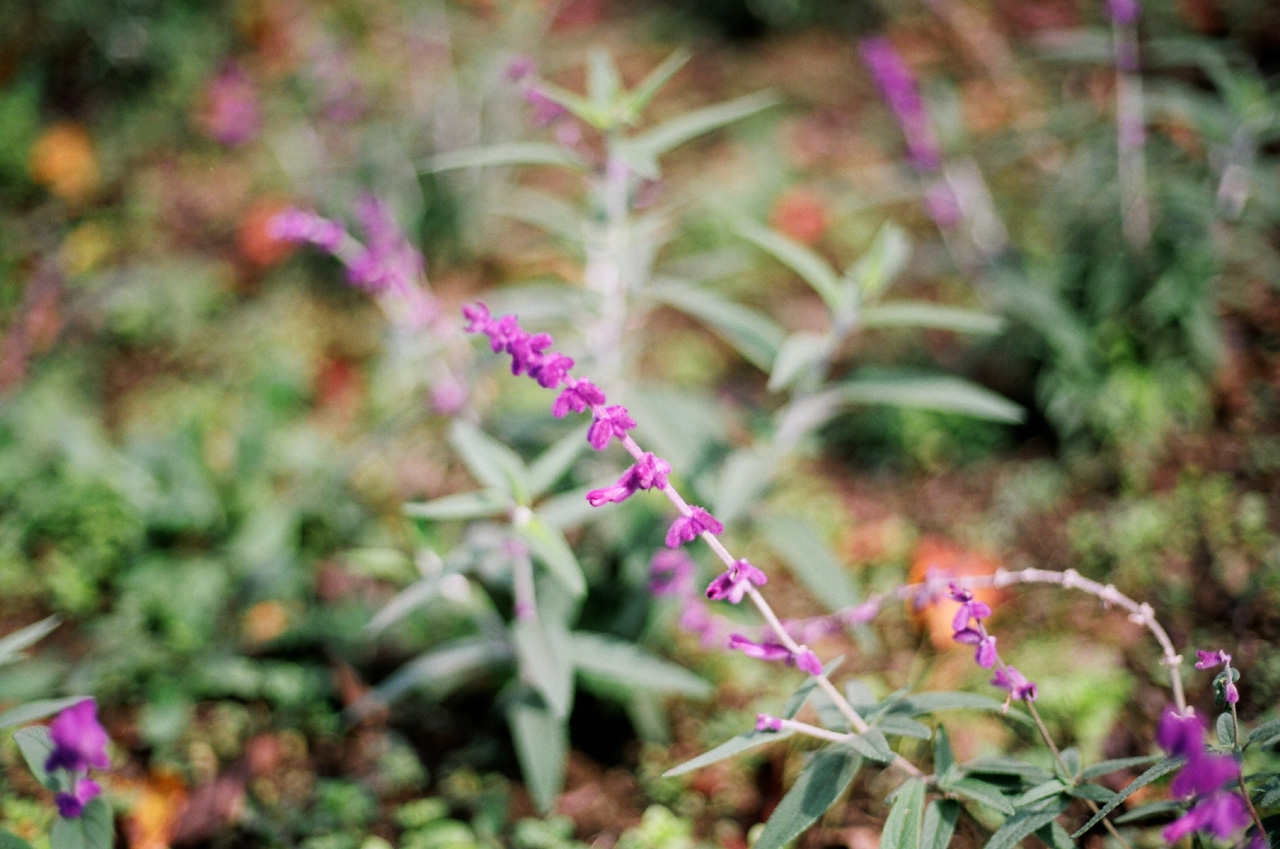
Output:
(550, 548)
(463, 505)
(918, 704)
(754, 335)
(24, 638)
(1092, 792)
(12, 841)
(1052, 787)
(944, 760)
(32, 711)
(811, 267)
(800, 545)
(438, 671)
(511, 153)
(492, 463)
(1107, 767)
(927, 315)
(903, 825)
(552, 464)
(1071, 761)
(1055, 836)
(644, 149)
(1007, 766)
(36, 745)
(729, 748)
(542, 747)
(797, 699)
(639, 97)
(93, 829)
(822, 781)
(604, 83)
(798, 355)
(980, 791)
(884, 260)
(1022, 824)
(1225, 728)
(941, 392)
(1151, 809)
(546, 662)
(744, 478)
(940, 818)
(1160, 769)
(1265, 734)
(900, 726)
(631, 666)
(871, 744)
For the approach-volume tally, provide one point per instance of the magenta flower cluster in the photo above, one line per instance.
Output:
(1218, 810)
(969, 630)
(79, 744)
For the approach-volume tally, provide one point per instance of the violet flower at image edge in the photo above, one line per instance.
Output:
(79, 743)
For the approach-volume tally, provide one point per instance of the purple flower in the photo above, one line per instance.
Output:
(732, 585)
(551, 370)
(79, 742)
(1124, 12)
(985, 651)
(1221, 815)
(526, 350)
(303, 227)
(898, 86)
(807, 661)
(520, 67)
(609, 422)
(1010, 679)
(71, 805)
(1210, 659)
(686, 528)
(578, 395)
(1204, 773)
(477, 315)
(764, 722)
(760, 651)
(545, 110)
(671, 572)
(863, 613)
(1180, 735)
(647, 473)
(969, 608)
(230, 114)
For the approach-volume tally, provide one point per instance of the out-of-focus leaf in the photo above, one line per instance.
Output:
(1151, 809)
(728, 749)
(511, 153)
(568, 509)
(549, 213)
(940, 818)
(812, 268)
(438, 671)
(36, 745)
(639, 97)
(1107, 767)
(903, 825)
(463, 505)
(900, 726)
(542, 747)
(643, 149)
(1265, 734)
(679, 426)
(1164, 767)
(1022, 824)
(744, 479)
(884, 260)
(629, 665)
(26, 637)
(800, 544)
(32, 711)
(93, 829)
(935, 700)
(944, 759)
(871, 744)
(12, 841)
(1225, 728)
(797, 699)
(556, 460)
(1052, 787)
(924, 314)
(604, 83)
(942, 392)
(796, 358)
(492, 463)
(822, 781)
(753, 334)
(1055, 836)
(546, 661)
(548, 546)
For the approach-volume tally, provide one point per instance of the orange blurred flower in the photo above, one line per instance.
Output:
(62, 159)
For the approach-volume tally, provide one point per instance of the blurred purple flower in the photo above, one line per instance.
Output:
(985, 645)
(229, 114)
(1221, 815)
(1205, 776)
(686, 528)
(79, 741)
(1018, 687)
(863, 613)
(732, 585)
(759, 651)
(519, 68)
(545, 110)
(671, 572)
(71, 805)
(898, 87)
(1179, 734)
(301, 226)
(764, 722)
(1124, 12)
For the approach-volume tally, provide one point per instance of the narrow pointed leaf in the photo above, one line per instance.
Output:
(513, 153)
(1107, 767)
(604, 83)
(1022, 824)
(800, 545)
(798, 356)
(930, 316)
(871, 744)
(823, 780)
(552, 464)
(728, 749)
(550, 548)
(438, 671)
(542, 747)
(980, 791)
(656, 141)
(31, 711)
(644, 91)
(811, 268)
(1164, 767)
(942, 392)
(492, 463)
(546, 662)
(883, 261)
(797, 699)
(753, 334)
(463, 505)
(26, 637)
(36, 745)
(940, 818)
(631, 666)
(900, 726)
(903, 825)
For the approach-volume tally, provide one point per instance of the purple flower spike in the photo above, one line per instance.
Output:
(303, 227)
(79, 742)
(686, 528)
(71, 805)
(526, 351)
(807, 661)
(478, 316)
(863, 613)
(1210, 659)
(609, 422)
(898, 87)
(760, 651)
(764, 722)
(552, 370)
(732, 585)
(1180, 735)
(578, 395)
(1204, 774)
(545, 110)
(1015, 683)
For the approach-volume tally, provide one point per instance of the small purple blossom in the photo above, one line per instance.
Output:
(732, 585)
(1221, 815)
(1010, 679)
(519, 68)
(806, 661)
(671, 572)
(301, 226)
(1210, 659)
(648, 472)
(984, 643)
(1181, 735)
(686, 528)
(578, 395)
(969, 608)
(759, 651)
(862, 613)
(71, 805)
(545, 110)
(765, 722)
(609, 422)
(79, 741)
(1205, 776)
